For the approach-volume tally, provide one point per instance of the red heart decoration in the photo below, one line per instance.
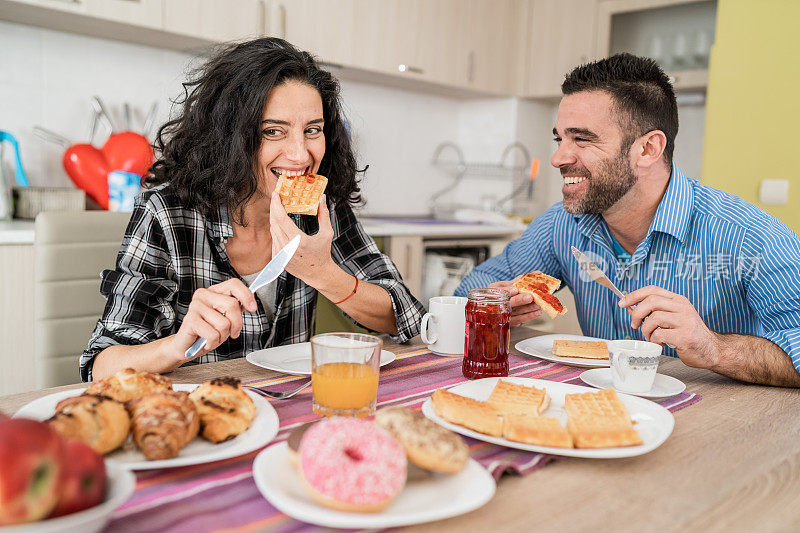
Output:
(88, 167)
(128, 151)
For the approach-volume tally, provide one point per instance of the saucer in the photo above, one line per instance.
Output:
(663, 386)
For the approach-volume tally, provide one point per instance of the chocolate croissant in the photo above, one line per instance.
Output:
(163, 423)
(99, 421)
(225, 408)
(129, 384)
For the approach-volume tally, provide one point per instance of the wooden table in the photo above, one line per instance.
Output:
(732, 463)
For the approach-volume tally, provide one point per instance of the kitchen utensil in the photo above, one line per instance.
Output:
(150, 120)
(126, 110)
(19, 172)
(594, 272)
(277, 395)
(104, 113)
(51, 136)
(268, 274)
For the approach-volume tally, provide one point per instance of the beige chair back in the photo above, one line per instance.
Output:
(71, 249)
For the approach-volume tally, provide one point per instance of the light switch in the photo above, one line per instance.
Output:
(774, 192)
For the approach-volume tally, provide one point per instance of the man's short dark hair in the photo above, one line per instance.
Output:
(642, 94)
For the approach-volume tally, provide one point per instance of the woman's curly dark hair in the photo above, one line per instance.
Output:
(209, 151)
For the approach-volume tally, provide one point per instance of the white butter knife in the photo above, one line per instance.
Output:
(268, 274)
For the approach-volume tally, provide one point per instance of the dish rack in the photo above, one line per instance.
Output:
(459, 168)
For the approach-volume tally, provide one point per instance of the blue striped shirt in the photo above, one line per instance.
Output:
(737, 264)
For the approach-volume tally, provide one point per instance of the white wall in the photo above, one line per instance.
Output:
(47, 78)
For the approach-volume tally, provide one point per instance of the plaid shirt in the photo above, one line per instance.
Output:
(169, 251)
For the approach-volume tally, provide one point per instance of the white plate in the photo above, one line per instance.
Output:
(653, 422)
(663, 386)
(261, 432)
(295, 358)
(424, 500)
(120, 485)
(542, 347)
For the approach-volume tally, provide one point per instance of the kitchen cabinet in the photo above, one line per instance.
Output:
(144, 13)
(214, 20)
(561, 36)
(493, 34)
(307, 25)
(676, 33)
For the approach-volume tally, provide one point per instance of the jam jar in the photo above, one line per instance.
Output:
(486, 334)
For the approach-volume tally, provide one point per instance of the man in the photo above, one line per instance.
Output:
(709, 274)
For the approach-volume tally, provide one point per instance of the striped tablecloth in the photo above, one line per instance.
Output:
(222, 496)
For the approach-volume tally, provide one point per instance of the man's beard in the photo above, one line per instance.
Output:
(613, 179)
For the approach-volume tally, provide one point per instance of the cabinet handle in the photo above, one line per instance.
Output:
(471, 67)
(402, 67)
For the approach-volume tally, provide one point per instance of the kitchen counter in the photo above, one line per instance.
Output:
(433, 228)
(16, 232)
(21, 231)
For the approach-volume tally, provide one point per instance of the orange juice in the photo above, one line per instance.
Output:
(344, 386)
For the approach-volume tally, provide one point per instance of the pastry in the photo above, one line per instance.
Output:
(467, 412)
(585, 349)
(163, 423)
(351, 465)
(225, 409)
(128, 384)
(98, 421)
(300, 194)
(510, 398)
(427, 444)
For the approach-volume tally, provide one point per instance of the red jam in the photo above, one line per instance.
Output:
(488, 315)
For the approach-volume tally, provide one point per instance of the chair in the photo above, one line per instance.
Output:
(70, 251)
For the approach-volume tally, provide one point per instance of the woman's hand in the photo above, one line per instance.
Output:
(313, 257)
(214, 314)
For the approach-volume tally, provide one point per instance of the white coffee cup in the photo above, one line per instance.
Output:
(442, 328)
(634, 365)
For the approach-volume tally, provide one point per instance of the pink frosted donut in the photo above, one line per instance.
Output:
(352, 465)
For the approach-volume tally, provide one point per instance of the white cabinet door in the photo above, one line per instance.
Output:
(562, 36)
(215, 20)
(493, 43)
(326, 28)
(145, 13)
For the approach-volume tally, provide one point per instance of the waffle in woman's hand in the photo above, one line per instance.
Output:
(300, 194)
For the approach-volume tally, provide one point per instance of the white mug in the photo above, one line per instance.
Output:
(634, 365)
(442, 328)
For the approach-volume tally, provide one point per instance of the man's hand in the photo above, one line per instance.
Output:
(522, 307)
(669, 318)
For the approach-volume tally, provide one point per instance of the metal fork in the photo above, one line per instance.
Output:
(277, 395)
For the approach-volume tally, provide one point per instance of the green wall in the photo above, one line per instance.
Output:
(753, 104)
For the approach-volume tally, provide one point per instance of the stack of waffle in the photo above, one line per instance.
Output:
(594, 420)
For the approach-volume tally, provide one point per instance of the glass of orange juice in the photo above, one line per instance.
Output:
(344, 373)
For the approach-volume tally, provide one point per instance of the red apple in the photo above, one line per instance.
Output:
(83, 478)
(30, 468)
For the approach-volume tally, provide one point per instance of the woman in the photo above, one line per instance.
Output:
(211, 221)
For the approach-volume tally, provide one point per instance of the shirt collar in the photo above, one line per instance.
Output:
(675, 209)
(220, 225)
(672, 216)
